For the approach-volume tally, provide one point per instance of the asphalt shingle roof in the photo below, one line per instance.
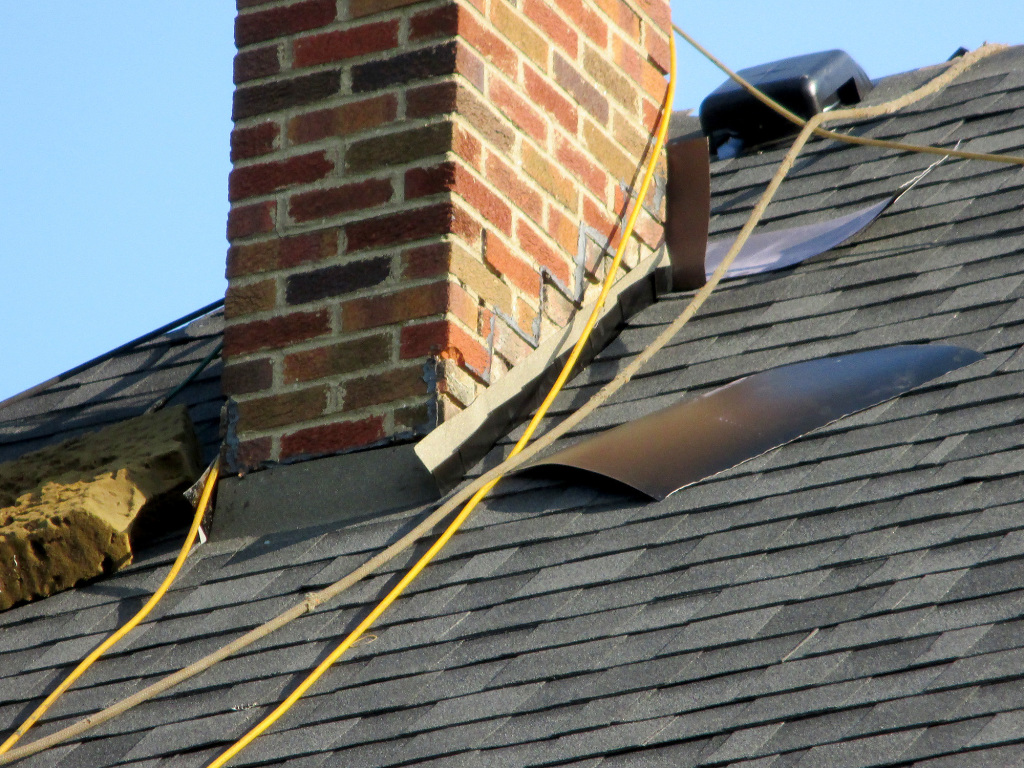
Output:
(855, 598)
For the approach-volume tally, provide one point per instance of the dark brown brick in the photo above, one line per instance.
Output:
(282, 409)
(332, 438)
(259, 62)
(246, 378)
(399, 148)
(430, 100)
(436, 61)
(337, 359)
(287, 20)
(401, 227)
(270, 97)
(337, 280)
(322, 203)
(386, 387)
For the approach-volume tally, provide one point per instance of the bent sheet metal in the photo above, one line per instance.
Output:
(693, 440)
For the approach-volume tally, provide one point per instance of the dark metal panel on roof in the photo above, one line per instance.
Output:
(686, 443)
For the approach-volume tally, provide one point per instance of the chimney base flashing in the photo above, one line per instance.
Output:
(336, 490)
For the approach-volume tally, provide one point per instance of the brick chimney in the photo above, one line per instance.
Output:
(423, 190)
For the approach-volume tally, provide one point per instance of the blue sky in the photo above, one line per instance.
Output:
(114, 145)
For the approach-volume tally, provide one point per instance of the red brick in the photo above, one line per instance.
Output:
(547, 18)
(601, 219)
(301, 17)
(256, 63)
(332, 438)
(589, 23)
(397, 307)
(563, 230)
(402, 227)
(324, 203)
(511, 184)
(623, 16)
(577, 163)
(251, 220)
(518, 110)
(251, 142)
(654, 82)
(276, 332)
(491, 47)
(627, 57)
(519, 272)
(546, 96)
(467, 146)
(339, 45)
(338, 359)
(282, 410)
(262, 179)
(658, 50)
(659, 11)
(437, 22)
(431, 260)
(445, 340)
(340, 121)
(537, 248)
(492, 208)
(387, 387)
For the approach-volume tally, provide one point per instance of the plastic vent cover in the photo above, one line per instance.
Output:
(806, 85)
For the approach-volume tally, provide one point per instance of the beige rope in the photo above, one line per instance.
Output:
(811, 127)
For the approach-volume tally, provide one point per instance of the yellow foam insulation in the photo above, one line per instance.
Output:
(73, 511)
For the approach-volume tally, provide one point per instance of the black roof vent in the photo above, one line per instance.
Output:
(805, 84)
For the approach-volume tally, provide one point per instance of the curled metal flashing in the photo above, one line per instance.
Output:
(700, 437)
(768, 251)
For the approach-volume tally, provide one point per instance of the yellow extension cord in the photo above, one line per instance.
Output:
(515, 458)
(84, 664)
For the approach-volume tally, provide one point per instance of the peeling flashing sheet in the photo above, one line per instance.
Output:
(768, 251)
(700, 437)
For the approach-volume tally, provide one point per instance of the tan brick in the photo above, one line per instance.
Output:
(479, 279)
(608, 153)
(510, 22)
(556, 183)
(611, 79)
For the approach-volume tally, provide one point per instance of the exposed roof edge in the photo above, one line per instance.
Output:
(451, 449)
